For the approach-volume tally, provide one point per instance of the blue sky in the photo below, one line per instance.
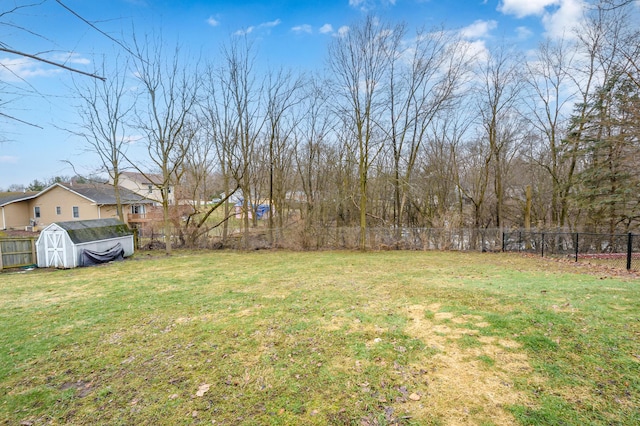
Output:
(287, 33)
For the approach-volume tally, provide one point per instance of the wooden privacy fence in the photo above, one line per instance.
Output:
(17, 252)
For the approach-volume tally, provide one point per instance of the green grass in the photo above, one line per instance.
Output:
(284, 338)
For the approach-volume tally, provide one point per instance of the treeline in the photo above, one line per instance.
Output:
(403, 130)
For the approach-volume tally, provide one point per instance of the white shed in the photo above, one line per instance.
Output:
(83, 243)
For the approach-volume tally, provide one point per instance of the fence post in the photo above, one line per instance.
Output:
(1, 256)
(519, 241)
(34, 253)
(629, 250)
(577, 240)
(542, 244)
(136, 238)
(504, 234)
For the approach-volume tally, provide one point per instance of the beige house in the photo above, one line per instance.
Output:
(67, 202)
(14, 209)
(147, 185)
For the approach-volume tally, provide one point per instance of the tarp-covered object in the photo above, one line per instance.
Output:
(90, 257)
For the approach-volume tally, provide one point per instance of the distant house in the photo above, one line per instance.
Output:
(67, 202)
(147, 185)
(14, 209)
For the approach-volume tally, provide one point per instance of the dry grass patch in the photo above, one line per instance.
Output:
(456, 385)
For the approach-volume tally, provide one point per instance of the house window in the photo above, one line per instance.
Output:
(150, 188)
(169, 190)
(36, 212)
(76, 212)
(137, 209)
(58, 210)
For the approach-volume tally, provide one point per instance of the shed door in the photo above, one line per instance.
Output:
(55, 248)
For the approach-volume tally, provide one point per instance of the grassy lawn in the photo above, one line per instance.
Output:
(341, 338)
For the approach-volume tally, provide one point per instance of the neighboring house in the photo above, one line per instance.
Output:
(147, 185)
(66, 202)
(14, 208)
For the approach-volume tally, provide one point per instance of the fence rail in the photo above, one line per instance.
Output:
(338, 238)
(17, 252)
(618, 250)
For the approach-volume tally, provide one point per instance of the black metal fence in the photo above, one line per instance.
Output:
(338, 238)
(616, 250)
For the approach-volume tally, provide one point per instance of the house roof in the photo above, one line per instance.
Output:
(101, 193)
(12, 197)
(144, 179)
(84, 231)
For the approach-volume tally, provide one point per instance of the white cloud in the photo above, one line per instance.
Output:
(305, 28)
(270, 24)
(522, 8)
(249, 30)
(326, 29)
(474, 50)
(563, 20)
(17, 69)
(245, 31)
(523, 33)
(20, 68)
(8, 159)
(343, 30)
(478, 29)
(213, 21)
(71, 58)
(558, 17)
(367, 5)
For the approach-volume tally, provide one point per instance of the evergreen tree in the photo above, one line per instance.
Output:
(609, 181)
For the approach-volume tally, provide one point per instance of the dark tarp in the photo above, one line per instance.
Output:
(90, 257)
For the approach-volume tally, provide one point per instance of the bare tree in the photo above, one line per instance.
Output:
(105, 111)
(359, 62)
(551, 92)
(437, 178)
(474, 165)
(312, 157)
(281, 97)
(221, 121)
(200, 166)
(169, 94)
(498, 98)
(239, 82)
(426, 75)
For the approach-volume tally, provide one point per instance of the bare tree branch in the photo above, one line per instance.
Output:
(46, 61)
(118, 42)
(18, 120)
